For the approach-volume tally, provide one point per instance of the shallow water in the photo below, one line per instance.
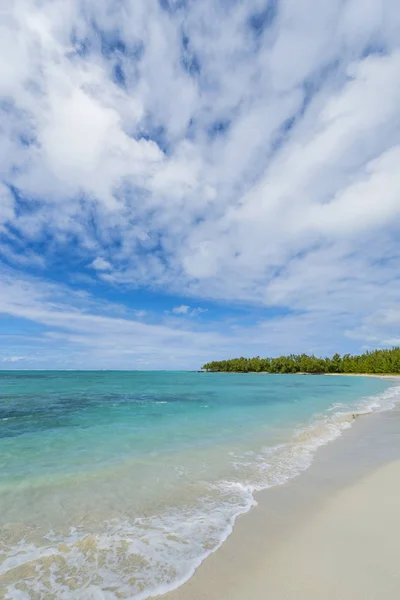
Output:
(118, 484)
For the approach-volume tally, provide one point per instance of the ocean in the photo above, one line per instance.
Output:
(117, 484)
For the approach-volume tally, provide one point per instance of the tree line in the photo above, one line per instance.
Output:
(377, 361)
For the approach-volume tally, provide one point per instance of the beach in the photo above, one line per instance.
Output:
(332, 532)
(132, 485)
(200, 300)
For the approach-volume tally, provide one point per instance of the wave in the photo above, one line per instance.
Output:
(148, 556)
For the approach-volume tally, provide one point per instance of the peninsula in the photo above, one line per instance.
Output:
(379, 362)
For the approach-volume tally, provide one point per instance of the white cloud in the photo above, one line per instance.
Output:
(6, 205)
(100, 264)
(203, 158)
(74, 330)
(13, 359)
(184, 309)
(181, 310)
(198, 311)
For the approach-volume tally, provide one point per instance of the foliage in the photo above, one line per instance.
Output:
(377, 361)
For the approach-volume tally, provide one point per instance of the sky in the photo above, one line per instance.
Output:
(190, 180)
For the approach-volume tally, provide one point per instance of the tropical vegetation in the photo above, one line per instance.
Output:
(377, 361)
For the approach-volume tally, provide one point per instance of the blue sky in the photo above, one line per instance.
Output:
(189, 180)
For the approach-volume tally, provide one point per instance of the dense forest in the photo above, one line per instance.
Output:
(377, 361)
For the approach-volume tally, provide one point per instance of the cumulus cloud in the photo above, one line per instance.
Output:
(244, 152)
(184, 309)
(100, 264)
(181, 310)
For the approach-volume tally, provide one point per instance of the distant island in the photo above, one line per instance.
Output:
(383, 362)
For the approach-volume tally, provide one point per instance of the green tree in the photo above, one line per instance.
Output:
(377, 361)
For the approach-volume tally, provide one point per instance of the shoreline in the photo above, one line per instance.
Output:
(169, 538)
(376, 375)
(246, 564)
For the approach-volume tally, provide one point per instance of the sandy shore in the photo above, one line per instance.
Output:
(349, 549)
(332, 533)
(378, 375)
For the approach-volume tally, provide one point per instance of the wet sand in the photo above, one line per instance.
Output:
(331, 533)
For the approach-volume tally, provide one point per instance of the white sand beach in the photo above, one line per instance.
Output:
(332, 533)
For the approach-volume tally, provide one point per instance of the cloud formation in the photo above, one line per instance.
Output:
(237, 152)
(184, 309)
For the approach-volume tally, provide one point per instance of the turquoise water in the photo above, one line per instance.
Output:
(118, 484)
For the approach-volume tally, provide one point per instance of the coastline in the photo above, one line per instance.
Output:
(393, 376)
(318, 534)
(376, 375)
(255, 436)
